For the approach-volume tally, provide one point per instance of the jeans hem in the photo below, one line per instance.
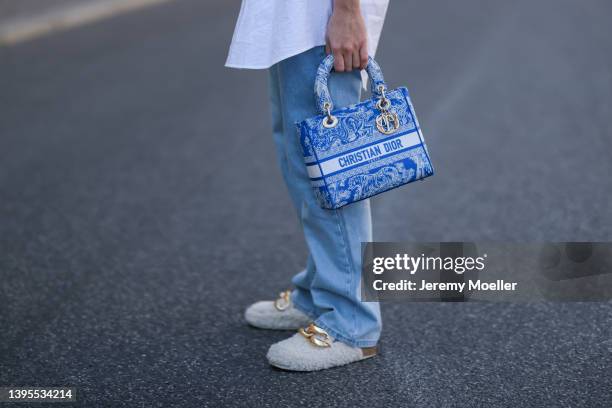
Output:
(345, 339)
(308, 312)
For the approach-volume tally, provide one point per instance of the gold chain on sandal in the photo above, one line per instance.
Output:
(316, 335)
(284, 301)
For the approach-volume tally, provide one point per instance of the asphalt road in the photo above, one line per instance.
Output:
(141, 209)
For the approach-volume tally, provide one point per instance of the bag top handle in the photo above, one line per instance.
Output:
(324, 102)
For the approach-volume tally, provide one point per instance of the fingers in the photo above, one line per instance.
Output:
(348, 61)
(356, 60)
(348, 58)
(363, 56)
(338, 62)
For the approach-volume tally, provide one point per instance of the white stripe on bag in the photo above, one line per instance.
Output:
(363, 156)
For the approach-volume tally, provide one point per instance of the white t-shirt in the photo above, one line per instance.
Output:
(269, 31)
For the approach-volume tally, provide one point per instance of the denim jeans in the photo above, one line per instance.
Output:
(328, 289)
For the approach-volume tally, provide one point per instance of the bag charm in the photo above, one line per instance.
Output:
(364, 149)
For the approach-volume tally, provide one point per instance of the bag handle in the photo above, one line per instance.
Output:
(324, 102)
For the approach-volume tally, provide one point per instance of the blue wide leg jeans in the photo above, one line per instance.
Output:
(328, 289)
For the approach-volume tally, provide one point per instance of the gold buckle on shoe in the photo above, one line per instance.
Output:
(284, 301)
(316, 335)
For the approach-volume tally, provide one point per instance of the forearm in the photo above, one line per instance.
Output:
(350, 6)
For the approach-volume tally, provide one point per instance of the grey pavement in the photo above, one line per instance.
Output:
(141, 209)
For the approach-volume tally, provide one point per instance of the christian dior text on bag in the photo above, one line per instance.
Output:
(365, 149)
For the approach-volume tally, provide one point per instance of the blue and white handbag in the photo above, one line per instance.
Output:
(364, 149)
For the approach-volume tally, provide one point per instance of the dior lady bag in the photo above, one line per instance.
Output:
(364, 149)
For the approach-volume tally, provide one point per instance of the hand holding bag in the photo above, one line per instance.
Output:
(364, 149)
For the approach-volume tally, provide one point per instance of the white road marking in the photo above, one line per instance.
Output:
(63, 18)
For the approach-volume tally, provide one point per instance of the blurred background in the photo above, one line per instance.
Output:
(141, 208)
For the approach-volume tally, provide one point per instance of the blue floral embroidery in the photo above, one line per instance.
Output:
(356, 124)
(356, 129)
(374, 179)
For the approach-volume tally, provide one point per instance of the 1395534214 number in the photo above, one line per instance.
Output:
(14, 394)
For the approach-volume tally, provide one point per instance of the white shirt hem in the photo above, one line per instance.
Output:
(231, 64)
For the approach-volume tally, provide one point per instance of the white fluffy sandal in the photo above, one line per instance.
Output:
(312, 349)
(276, 315)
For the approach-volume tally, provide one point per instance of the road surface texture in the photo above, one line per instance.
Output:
(142, 210)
